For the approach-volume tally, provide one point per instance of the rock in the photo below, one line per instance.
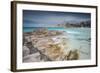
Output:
(73, 55)
(31, 48)
(43, 32)
(32, 58)
(26, 51)
(49, 45)
(28, 38)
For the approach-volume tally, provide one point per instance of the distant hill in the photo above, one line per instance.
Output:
(86, 23)
(80, 24)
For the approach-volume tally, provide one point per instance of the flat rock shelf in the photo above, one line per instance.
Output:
(49, 45)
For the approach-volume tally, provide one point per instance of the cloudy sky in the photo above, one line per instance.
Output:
(32, 18)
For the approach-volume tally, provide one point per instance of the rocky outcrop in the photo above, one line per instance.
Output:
(35, 57)
(47, 45)
(26, 51)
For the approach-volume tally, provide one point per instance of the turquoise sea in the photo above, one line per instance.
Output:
(78, 33)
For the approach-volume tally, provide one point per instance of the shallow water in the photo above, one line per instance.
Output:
(79, 38)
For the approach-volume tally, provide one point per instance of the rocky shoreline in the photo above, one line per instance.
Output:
(47, 45)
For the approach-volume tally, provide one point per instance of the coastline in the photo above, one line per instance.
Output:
(52, 45)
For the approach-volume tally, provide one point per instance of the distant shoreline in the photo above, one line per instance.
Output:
(30, 29)
(56, 27)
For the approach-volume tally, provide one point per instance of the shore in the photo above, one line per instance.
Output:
(49, 45)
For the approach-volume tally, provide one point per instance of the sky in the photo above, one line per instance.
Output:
(33, 18)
